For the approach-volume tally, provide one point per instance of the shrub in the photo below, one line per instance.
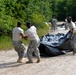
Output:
(38, 20)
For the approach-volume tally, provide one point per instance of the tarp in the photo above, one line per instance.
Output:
(53, 45)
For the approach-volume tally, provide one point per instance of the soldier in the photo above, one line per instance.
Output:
(19, 47)
(54, 23)
(71, 26)
(31, 33)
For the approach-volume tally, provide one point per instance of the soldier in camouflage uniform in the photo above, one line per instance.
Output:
(31, 33)
(19, 47)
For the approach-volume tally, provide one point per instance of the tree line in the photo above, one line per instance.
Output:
(36, 11)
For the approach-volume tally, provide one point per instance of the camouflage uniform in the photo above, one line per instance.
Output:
(54, 24)
(33, 47)
(19, 48)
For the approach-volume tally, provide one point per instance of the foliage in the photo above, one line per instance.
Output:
(12, 11)
(61, 9)
(36, 11)
(64, 8)
(38, 20)
(71, 7)
(5, 43)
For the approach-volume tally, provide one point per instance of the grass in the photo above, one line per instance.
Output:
(42, 32)
(6, 42)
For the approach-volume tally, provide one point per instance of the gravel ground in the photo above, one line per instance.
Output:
(60, 65)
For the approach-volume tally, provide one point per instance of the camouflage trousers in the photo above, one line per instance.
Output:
(54, 27)
(33, 48)
(73, 43)
(19, 48)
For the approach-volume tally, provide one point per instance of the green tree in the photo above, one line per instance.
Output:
(12, 11)
(71, 7)
(61, 9)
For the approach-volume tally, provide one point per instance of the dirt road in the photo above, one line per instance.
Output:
(60, 65)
